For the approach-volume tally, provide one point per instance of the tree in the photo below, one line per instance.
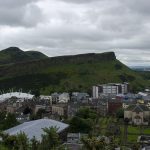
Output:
(10, 121)
(83, 121)
(120, 113)
(78, 124)
(22, 141)
(16, 142)
(86, 113)
(2, 116)
(126, 122)
(2, 119)
(9, 141)
(36, 93)
(40, 113)
(135, 146)
(50, 140)
(93, 143)
(34, 143)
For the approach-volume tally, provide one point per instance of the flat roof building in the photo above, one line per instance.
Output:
(110, 89)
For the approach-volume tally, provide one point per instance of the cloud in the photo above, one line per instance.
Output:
(80, 1)
(19, 13)
(64, 27)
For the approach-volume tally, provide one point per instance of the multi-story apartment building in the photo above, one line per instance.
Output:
(110, 89)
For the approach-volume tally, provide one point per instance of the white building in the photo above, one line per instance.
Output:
(110, 89)
(64, 98)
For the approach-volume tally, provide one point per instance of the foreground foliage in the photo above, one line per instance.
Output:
(7, 120)
(83, 121)
(50, 141)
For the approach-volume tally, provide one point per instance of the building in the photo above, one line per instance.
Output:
(10, 109)
(75, 137)
(74, 141)
(113, 106)
(102, 107)
(47, 99)
(144, 96)
(60, 109)
(80, 97)
(110, 89)
(55, 98)
(64, 98)
(137, 114)
(35, 128)
(38, 107)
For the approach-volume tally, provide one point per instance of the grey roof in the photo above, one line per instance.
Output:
(147, 148)
(138, 108)
(35, 128)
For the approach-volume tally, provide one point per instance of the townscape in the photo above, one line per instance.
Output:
(74, 74)
(111, 117)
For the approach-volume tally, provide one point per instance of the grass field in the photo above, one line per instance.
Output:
(133, 131)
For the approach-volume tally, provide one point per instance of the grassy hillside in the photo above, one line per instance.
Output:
(16, 55)
(145, 75)
(68, 73)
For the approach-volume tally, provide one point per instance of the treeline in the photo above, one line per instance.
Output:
(32, 81)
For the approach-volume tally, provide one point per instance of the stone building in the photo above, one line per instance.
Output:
(137, 114)
(60, 109)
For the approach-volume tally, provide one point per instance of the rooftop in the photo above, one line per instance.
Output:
(20, 95)
(35, 128)
(138, 108)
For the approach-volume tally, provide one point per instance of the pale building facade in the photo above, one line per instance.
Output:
(110, 88)
(138, 114)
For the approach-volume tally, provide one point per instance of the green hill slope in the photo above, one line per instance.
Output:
(68, 73)
(16, 55)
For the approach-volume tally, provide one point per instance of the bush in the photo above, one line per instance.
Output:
(120, 113)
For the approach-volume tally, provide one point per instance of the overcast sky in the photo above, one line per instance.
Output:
(66, 27)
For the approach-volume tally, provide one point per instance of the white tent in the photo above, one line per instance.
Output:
(19, 95)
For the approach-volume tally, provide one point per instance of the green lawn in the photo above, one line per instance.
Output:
(147, 131)
(132, 129)
(105, 121)
(132, 138)
(3, 147)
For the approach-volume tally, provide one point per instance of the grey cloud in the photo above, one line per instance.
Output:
(79, 26)
(79, 1)
(19, 13)
(14, 3)
(138, 6)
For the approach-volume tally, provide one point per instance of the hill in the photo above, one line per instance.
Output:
(16, 55)
(68, 73)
